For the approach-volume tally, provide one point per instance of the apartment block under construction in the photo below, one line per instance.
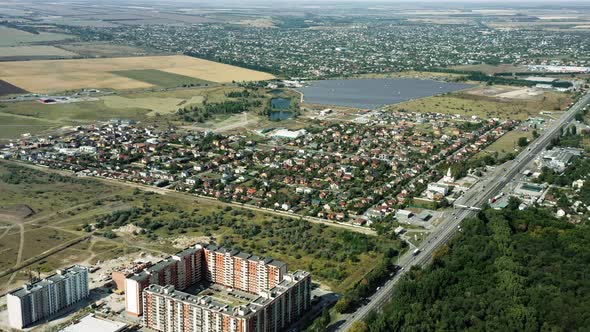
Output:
(269, 298)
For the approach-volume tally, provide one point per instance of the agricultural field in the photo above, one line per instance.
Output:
(160, 78)
(33, 52)
(560, 25)
(76, 74)
(14, 37)
(8, 89)
(79, 22)
(13, 11)
(518, 105)
(103, 49)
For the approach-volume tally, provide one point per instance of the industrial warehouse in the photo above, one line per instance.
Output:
(244, 292)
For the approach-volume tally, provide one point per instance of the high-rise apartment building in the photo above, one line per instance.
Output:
(180, 270)
(44, 298)
(170, 310)
(242, 271)
(230, 268)
(275, 297)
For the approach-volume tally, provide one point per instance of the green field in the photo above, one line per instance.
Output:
(161, 78)
(104, 49)
(34, 51)
(64, 205)
(33, 117)
(47, 193)
(14, 37)
(486, 107)
(72, 113)
(337, 258)
(155, 105)
(506, 144)
(59, 204)
(12, 126)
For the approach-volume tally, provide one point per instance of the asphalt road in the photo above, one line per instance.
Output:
(473, 199)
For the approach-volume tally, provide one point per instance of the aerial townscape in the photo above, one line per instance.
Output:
(300, 165)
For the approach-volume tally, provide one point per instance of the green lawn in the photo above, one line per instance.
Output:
(337, 258)
(160, 78)
(61, 204)
(33, 117)
(506, 144)
(73, 113)
(12, 126)
(47, 193)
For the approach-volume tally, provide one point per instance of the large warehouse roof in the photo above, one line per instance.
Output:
(91, 323)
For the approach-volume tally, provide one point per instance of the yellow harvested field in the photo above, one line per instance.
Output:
(218, 72)
(64, 81)
(61, 75)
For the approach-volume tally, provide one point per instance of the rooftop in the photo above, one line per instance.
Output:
(38, 285)
(239, 303)
(91, 323)
(541, 79)
(210, 302)
(161, 265)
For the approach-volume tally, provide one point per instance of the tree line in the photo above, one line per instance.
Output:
(201, 114)
(508, 270)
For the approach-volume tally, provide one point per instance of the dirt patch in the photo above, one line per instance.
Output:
(526, 93)
(182, 242)
(128, 229)
(506, 92)
(16, 212)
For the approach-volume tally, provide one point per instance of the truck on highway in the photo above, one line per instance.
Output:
(416, 252)
(495, 198)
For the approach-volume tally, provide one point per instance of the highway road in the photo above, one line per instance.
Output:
(471, 201)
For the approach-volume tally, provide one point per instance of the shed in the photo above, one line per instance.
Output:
(404, 214)
(425, 215)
